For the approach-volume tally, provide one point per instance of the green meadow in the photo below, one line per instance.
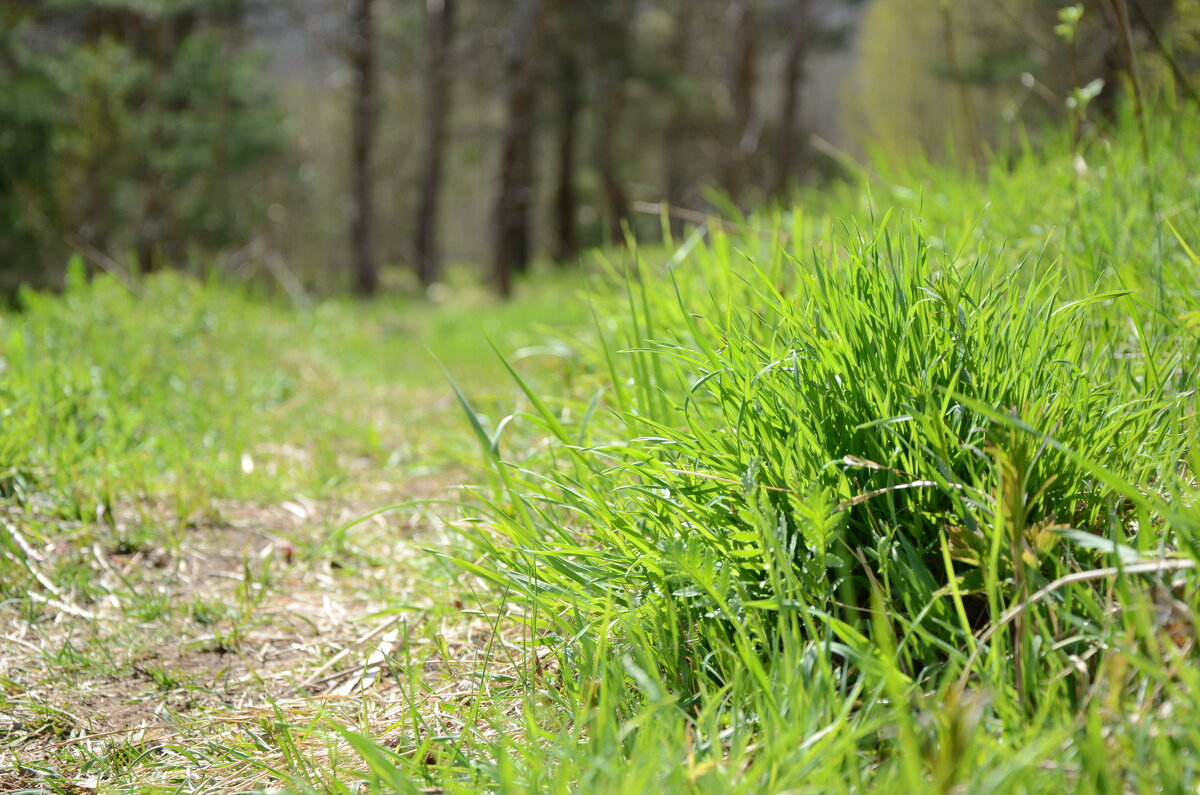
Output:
(889, 489)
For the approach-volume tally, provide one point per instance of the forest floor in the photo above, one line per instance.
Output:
(182, 617)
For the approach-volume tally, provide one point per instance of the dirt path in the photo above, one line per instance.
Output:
(201, 654)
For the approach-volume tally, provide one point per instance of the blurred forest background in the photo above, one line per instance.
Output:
(326, 145)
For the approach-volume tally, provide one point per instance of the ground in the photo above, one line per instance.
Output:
(178, 668)
(188, 636)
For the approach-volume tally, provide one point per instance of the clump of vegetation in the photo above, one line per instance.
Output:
(899, 499)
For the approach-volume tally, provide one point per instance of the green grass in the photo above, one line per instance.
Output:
(892, 489)
(183, 473)
(897, 495)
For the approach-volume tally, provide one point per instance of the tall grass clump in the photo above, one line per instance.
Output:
(880, 496)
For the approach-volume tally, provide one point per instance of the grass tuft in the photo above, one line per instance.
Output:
(895, 502)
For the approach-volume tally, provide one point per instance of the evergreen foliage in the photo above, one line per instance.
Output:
(137, 130)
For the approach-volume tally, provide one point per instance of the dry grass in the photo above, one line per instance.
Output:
(297, 652)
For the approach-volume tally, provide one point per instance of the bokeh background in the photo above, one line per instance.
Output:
(329, 145)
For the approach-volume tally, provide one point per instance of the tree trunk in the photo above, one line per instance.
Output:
(565, 199)
(514, 197)
(1148, 17)
(1152, 22)
(159, 42)
(790, 149)
(612, 103)
(966, 106)
(437, 107)
(362, 230)
(675, 141)
(742, 143)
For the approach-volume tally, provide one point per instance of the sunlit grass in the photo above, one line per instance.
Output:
(900, 496)
(890, 489)
(184, 470)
